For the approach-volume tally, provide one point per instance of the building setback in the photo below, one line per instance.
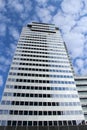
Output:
(81, 83)
(40, 89)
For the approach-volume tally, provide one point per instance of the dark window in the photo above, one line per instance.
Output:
(60, 123)
(40, 95)
(14, 123)
(55, 123)
(44, 95)
(24, 123)
(20, 112)
(23, 95)
(45, 123)
(36, 95)
(49, 103)
(40, 112)
(27, 95)
(31, 95)
(74, 122)
(11, 112)
(50, 123)
(59, 112)
(44, 103)
(69, 123)
(29, 123)
(9, 123)
(19, 123)
(25, 112)
(30, 113)
(17, 103)
(15, 112)
(35, 112)
(26, 103)
(36, 88)
(64, 122)
(40, 123)
(31, 103)
(40, 88)
(49, 113)
(21, 103)
(35, 103)
(48, 95)
(54, 112)
(53, 103)
(35, 123)
(44, 112)
(40, 103)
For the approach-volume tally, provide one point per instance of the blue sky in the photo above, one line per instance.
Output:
(69, 15)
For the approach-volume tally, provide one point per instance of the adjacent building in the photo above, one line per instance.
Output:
(40, 89)
(81, 83)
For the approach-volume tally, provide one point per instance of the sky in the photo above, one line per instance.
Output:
(69, 15)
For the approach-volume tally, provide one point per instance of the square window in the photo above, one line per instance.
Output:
(49, 103)
(21, 103)
(35, 113)
(60, 123)
(40, 113)
(55, 123)
(25, 112)
(20, 112)
(26, 103)
(15, 112)
(9, 123)
(44, 95)
(44, 112)
(31, 103)
(50, 123)
(19, 123)
(35, 123)
(14, 123)
(24, 123)
(54, 112)
(30, 112)
(44, 104)
(35, 103)
(36, 95)
(40, 123)
(40, 95)
(45, 123)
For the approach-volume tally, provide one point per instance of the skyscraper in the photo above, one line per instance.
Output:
(40, 89)
(81, 83)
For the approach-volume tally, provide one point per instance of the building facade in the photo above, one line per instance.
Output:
(40, 89)
(81, 83)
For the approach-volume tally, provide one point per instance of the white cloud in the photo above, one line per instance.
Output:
(72, 6)
(42, 2)
(14, 32)
(75, 43)
(51, 8)
(74, 27)
(44, 14)
(64, 22)
(1, 80)
(16, 5)
(79, 63)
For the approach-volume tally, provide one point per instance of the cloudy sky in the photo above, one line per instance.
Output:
(69, 15)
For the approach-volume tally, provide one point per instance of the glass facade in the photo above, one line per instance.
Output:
(81, 83)
(40, 89)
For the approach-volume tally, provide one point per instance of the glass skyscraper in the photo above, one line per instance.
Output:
(40, 88)
(81, 83)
